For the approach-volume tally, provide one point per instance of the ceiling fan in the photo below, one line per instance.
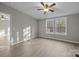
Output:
(2, 17)
(47, 7)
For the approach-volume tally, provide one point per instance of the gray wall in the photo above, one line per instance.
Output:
(18, 22)
(72, 29)
(3, 24)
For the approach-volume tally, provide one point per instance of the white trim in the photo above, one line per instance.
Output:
(46, 26)
(62, 18)
(65, 18)
(50, 33)
(9, 20)
(17, 42)
(21, 41)
(60, 33)
(65, 40)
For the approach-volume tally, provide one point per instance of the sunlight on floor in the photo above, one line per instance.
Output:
(27, 33)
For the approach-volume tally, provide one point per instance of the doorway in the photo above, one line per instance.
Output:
(4, 29)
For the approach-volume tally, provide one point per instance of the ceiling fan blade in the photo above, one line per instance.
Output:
(52, 5)
(44, 12)
(42, 3)
(46, 6)
(51, 10)
(39, 9)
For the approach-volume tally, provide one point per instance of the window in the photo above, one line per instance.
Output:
(50, 26)
(57, 26)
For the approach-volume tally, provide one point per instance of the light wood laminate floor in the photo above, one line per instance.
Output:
(41, 48)
(3, 41)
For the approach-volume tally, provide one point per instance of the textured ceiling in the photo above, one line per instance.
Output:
(30, 8)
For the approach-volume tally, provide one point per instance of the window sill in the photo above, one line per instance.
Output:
(56, 33)
(50, 33)
(61, 33)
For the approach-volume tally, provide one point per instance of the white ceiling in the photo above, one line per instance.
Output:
(30, 8)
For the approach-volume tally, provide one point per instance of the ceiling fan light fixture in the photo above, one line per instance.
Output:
(46, 10)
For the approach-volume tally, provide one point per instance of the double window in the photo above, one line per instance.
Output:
(56, 26)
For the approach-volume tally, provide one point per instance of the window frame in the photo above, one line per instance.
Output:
(55, 32)
(53, 26)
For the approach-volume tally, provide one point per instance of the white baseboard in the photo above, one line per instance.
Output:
(20, 41)
(65, 40)
(68, 41)
(17, 42)
(50, 38)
